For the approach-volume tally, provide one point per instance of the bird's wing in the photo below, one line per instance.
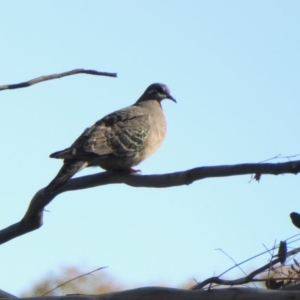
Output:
(120, 133)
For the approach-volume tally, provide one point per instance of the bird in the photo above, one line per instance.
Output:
(118, 141)
(295, 217)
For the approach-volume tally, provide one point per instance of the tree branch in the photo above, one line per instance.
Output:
(6, 295)
(246, 279)
(33, 218)
(54, 76)
(162, 293)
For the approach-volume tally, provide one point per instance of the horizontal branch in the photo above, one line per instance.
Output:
(162, 293)
(54, 76)
(33, 218)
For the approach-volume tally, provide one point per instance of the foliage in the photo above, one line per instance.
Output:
(96, 283)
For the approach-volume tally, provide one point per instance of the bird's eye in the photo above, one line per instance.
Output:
(161, 90)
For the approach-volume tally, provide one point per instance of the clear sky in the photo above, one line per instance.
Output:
(233, 67)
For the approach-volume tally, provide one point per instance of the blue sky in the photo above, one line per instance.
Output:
(233, 67)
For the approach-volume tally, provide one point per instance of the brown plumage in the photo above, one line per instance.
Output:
(120, 140)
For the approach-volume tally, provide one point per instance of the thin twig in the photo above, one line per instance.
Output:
(89, 273)
(235, 264)
(54, 76)
(243, 262)
(292, 238)
(280, 157)
(246, 279)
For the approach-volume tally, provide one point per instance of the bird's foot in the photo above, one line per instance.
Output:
(128, 170)
(131, 170)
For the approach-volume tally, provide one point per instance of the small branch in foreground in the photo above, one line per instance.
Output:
(6, 295)
(235, 264)
(54, 76)
(247, 279)
(163, 293)
(33, 218)
(88, 273)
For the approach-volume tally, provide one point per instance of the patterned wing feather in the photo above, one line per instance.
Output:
(120, 133)
(118, 136)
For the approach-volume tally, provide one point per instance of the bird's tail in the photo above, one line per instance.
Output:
(65, 173)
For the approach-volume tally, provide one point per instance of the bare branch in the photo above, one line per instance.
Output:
(235, 264)
(246, 279)
(54, 76)
(33, 218)
(6, 295)
(77, 277)
(162, 293)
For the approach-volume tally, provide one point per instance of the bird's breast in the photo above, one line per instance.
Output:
(155, 135)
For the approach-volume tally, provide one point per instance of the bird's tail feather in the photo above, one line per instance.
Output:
(65, 173)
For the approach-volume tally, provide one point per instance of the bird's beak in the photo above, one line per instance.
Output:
(171, 98)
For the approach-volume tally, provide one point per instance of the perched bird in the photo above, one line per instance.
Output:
(120, 140)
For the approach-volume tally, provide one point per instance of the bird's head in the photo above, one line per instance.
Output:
(157, 91)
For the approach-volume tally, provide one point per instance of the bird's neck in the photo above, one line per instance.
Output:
(153, 104)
